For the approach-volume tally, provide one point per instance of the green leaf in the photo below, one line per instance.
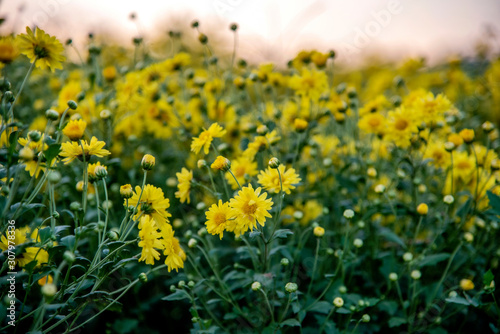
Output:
(322, 307)
(488, 277)
(254, 234)
(391, 236)
(494, 202)
(230, 316)
(290, 322)
(396, 322)
(179, 294)
(68, 241)
(44, 234)
(51, 152)
(458, 300)
(431, 260)
(282, 234)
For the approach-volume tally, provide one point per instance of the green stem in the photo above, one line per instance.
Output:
(10, 113)
(314, 266)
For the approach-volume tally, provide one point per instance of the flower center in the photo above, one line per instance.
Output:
(250, 207)
(219, 218)
(147, 208)
(401, 124)
(41, 52)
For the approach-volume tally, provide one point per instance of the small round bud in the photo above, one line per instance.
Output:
(349, 214)
(488, 126)
(126, 191)
(342, 289)
(171, 182)
(291, 287)
(195, 24)
(358, 243)
(35, 135)
(192, 243)
(100, 172)
(285, 262)
(300, 124)
(56, 215)
(466, 284)
(319, 231)
(393, 277)
(422, 209)
(49, 290)
(52, 114)
(143, 277)
(113, 234)
(202, 163)
(173, 288)
(148, 162)
(191, 284)
(181, 284)
(469, 237)
(201, 206)
(221, 163)
(449, 146)
(9, 96)
(467, 135)
(69, 257)
(203, 38)
(233, 27)
(361, 224)
(371, 172)
(72, 104)
(452, 294)
(256, 286)
(361, 302)
(298, 215)
(407, 257)
(365, 318)
(449, 199)
(75, 206)
(26, 154)
(274, 163)
(338, 302)
(330, 251)
(105, 114)
(416, 274)
(379, 188)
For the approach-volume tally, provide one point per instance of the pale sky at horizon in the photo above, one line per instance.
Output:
(274, 30)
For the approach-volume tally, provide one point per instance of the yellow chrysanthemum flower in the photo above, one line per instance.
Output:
(91, 169)
(30, 254)
(150, 240)
(8, 49)
(373, 123)
(73, 150)
(401, 127)
(37, 147)
(74, 129)
(153, 203)
(251, 207)
(184, 179)
(46, 50)
(218, 217)
(172, 249)
(206, 137)
(241, 167)
(270, 179)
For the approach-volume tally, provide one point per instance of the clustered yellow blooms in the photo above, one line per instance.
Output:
(33, 253)
(35, 149)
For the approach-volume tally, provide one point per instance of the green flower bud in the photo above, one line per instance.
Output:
(72, 104)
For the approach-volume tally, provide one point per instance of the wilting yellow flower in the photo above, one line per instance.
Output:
(46, 50)
(240, 167)
(184, 179)
(150, 240)
(72, 150)
(466, 284)
(153, 203)
(8, 49)
(172, 249)
(74, 129)
(206, 137)
(270, 179)
(251, 207)
(218, 217)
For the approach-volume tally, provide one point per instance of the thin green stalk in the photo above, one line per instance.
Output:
(10, 113)
(314, 266)
(268, 305)
(326, 320)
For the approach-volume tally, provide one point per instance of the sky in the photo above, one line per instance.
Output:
(275, 30)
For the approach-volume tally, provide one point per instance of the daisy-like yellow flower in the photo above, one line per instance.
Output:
(153, 203)
(46, 50)
(73, 150)
(218, 217)
(184, 179)
(150, 240)
(206, 137)
(241, 167)
(74, 129)
(172, 249)
(91, 169)
(30, 254)
(401, 127)
(251, 207)
(8, 50)
(270, 179)
(372, 123)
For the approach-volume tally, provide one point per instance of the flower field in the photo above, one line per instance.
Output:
(221, 196)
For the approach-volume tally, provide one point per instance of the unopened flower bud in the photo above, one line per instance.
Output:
(274, 163)
(49, 291)
(221, 163)
(319, 231)
(126, 191)
(72, 104)
(291, 287)
(35, 135)
(143, 277)
(338, 302)
(256, 286)
(148, 162)
(285, 262)
(69, 257)
(393, 277)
